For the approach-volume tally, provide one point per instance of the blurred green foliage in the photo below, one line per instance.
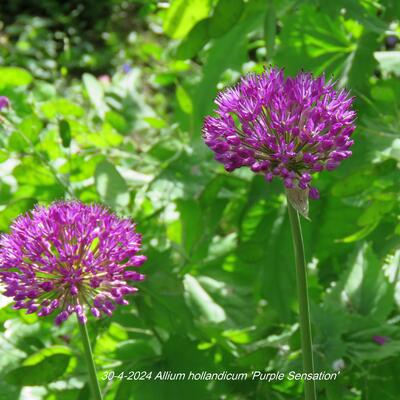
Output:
(107, 101)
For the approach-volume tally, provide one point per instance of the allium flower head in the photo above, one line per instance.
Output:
(69, 258)
(287, 128)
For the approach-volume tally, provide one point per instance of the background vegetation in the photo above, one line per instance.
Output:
(107, 101)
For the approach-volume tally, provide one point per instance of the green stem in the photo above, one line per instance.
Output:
(304, 309)
(93, 382)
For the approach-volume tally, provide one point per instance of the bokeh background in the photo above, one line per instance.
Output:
(107, 102)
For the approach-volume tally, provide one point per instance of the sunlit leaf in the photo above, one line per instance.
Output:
(42, 373)
(226, 15)
(111, 186)
(14, 76)
(182, 15)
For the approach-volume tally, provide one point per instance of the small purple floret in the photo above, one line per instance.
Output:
(70, 258)
(381, 340)
(287, 128)
(4, 102)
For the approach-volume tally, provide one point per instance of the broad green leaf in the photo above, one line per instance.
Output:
(389, 61)
(45, 353)
(157, 123)
(31, 127)
(184, 100)
(94, 90)
(182, 15)
(375, 211)
(363, 288)
(105, 137)
(277, 278)
(117, 121)
(201, 302)
(360, 234)
(64, 131)
(16, 142)
(14, 76)
(12, 211)
(395, 149)
(31, 172)
(329, 325)
(352, 184)
(61, 107)
(191, 223)
(390, 370)
(219, 60)
(42, 373)
(226, 15)
(194, 41)
(270, 29)
(372, 352)
(111, 186)
(324, 44)
(133, 350)
(3, 156)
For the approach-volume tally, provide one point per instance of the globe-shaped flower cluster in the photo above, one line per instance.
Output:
(70, 258)
(287, 128)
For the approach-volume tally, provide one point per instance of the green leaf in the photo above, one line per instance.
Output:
(277, 278)
(270, 29)
(61, 107)
(225, 17)
(105, 137)
(389, 61)
(64, 131)
(157, 123)
(219, 60)
(16, 142)
(182, 15)
(117, 121)
(201, 302)
(42, 373)
(134, 350)
(194, 41)
(395, 150)
(94, 90)
(184, 100)
(352, 184)
(360, 234)
(363, 288)
(3, 156)
(14, 76)
(325, 44)
(191, 223)
(31, 127)
(45, 353)
(12, 210)
(111, 186)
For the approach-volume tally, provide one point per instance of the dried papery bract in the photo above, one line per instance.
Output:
(288, 129)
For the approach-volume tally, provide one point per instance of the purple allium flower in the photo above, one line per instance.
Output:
(287, 128)
(70, 257)
(4, 102)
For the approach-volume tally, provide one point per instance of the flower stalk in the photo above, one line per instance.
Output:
(93, 382)
(304, 309)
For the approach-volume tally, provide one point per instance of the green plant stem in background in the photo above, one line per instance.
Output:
(93, 382)
(304, 309)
